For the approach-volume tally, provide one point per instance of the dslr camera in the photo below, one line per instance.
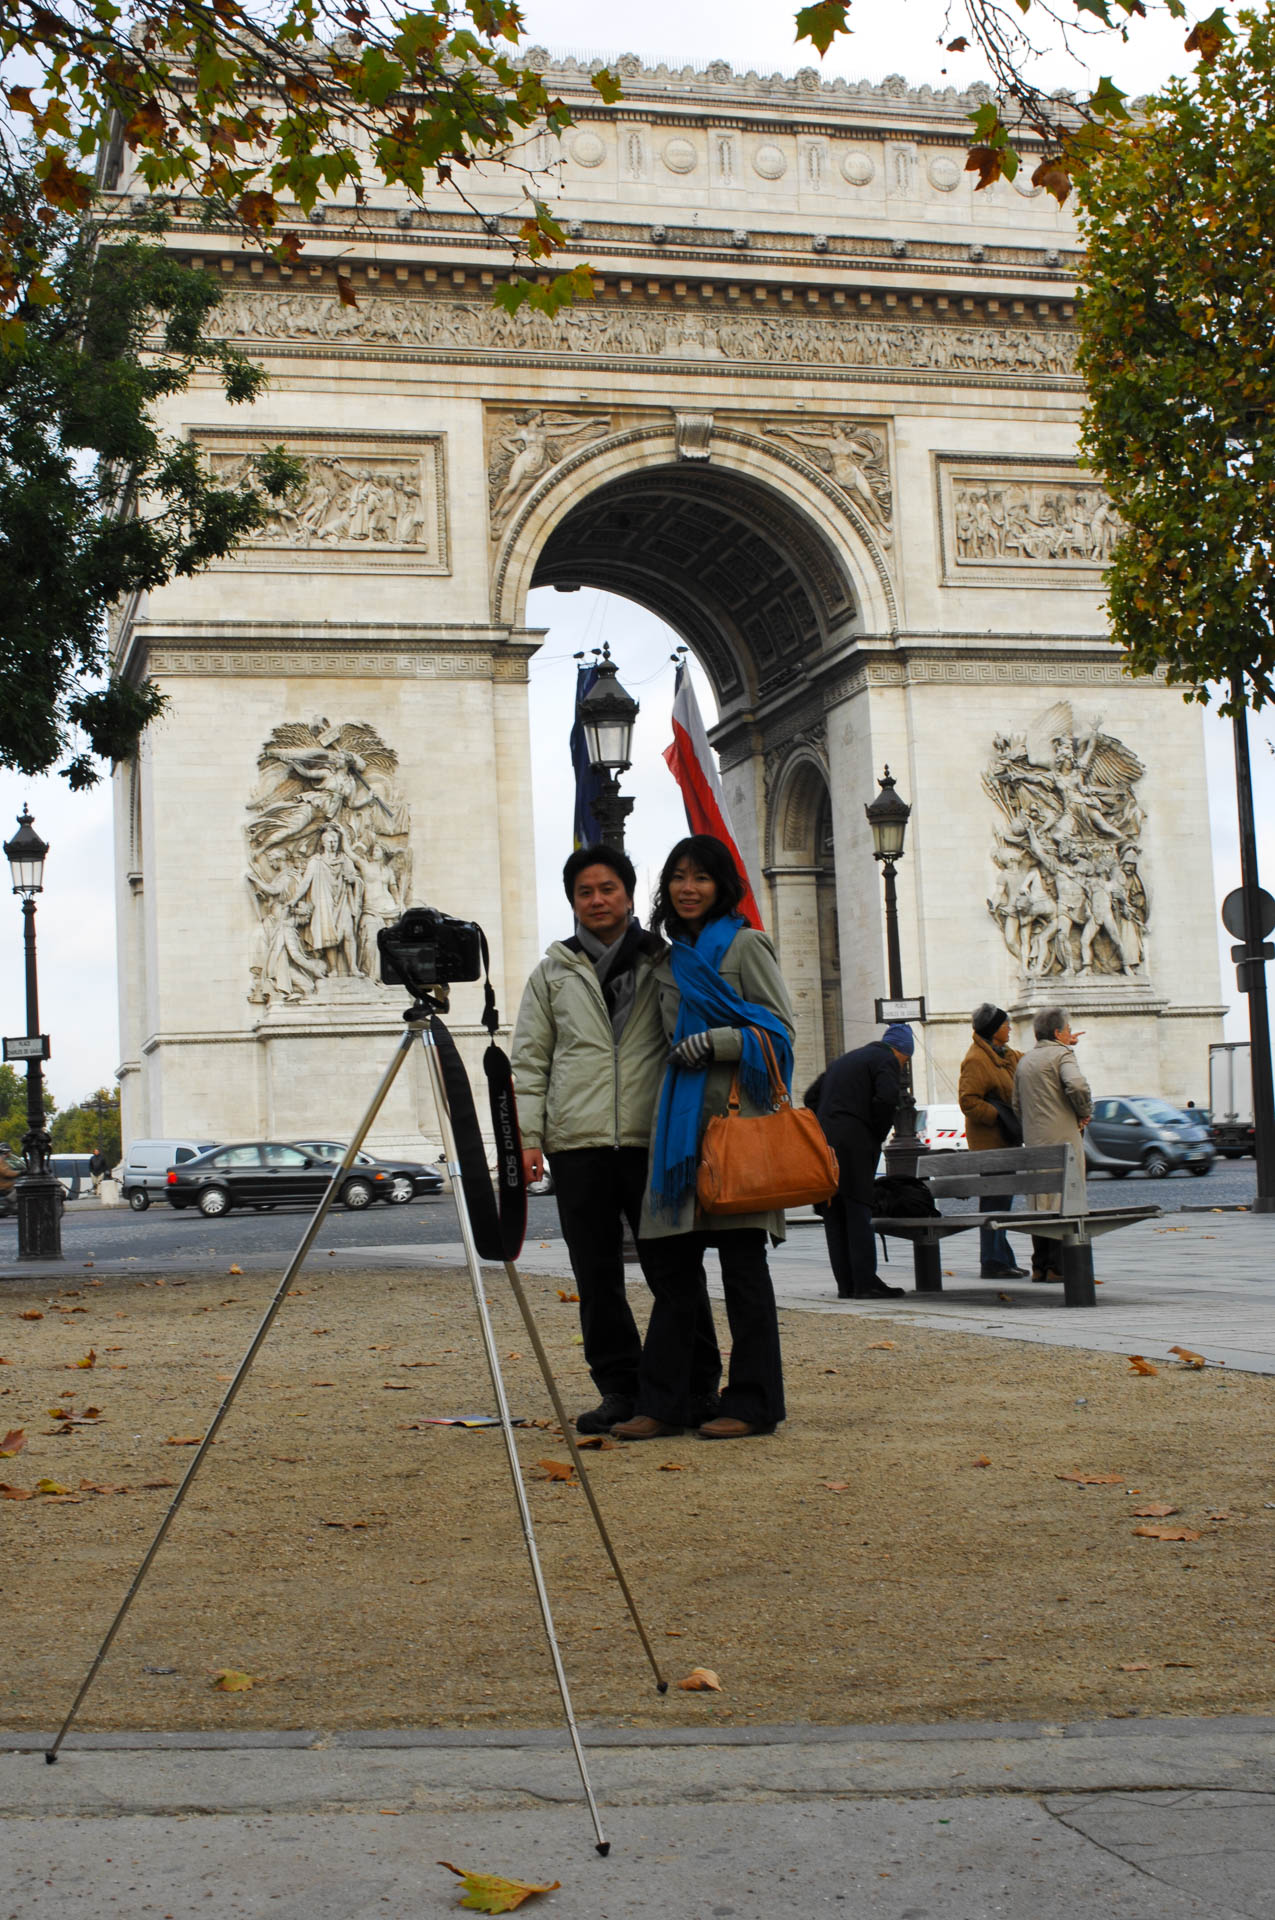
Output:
(426, 951)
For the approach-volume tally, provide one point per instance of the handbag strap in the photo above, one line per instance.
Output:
(779, 1092)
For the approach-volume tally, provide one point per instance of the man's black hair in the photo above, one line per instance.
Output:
(599, 856)
(716, 860)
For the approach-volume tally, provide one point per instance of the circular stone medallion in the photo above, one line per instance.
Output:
(770, 163)
(1023, 184)
(858, 169)
(679, 156)
(587, 150)
(945, 175)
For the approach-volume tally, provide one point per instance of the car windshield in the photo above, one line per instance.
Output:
(1164, 1116)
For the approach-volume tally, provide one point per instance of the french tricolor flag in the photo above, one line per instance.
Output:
(693, 765)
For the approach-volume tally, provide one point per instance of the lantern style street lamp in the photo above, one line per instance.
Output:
(37, 1192)
(888, 817)
(606, 715)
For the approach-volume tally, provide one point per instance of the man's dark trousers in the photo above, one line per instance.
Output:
(847, 1226)
(597, 1190)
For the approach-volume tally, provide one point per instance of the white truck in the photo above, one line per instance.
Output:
(1231, 1097)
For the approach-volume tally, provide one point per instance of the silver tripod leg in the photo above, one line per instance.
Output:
(426, 1031)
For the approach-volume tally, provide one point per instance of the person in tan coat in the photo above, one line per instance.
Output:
(1053, 1104)
(987, 1077)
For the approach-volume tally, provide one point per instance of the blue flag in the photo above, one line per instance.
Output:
(586, 832)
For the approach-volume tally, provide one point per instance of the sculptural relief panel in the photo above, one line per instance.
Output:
(854, 455)
(471, 328)
(1069, 896)
(328, 860)
(1021, 522)
(524, 444)
(369, 500)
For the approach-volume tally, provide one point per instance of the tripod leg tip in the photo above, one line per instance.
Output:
(662, 1686)
(604, 1848)
(50, 1759)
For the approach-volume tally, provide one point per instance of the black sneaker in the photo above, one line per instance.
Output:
(614, 1408)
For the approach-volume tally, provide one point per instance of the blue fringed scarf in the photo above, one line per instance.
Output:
(707, 1001)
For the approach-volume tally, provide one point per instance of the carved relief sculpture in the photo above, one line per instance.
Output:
(532, 443)
(1026, 522)
(1069, 898)
(328, 859)
(852, 455)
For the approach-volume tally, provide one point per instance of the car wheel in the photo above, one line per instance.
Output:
(1155, 1166)
(401, 1190)
(1232, 1156)
(138, 1199)
(213, 1202)
(356, 1195)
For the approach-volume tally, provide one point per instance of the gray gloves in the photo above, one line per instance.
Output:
(693, 1053)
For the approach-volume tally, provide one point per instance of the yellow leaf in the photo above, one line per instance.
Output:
(700, 1680)
(981, 1460)
(232, 1270)
(227, 1680)
(564, 1295)
(1138, 1365)
(50, 1486)
(1188, 1358)
(89, 1360)
(489, 1893)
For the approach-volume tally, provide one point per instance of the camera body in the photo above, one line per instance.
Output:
(426, 951)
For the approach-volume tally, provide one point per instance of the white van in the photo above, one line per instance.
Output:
(143, 1172)
(942, 1128)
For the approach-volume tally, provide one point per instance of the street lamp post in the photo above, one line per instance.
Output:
(37, 1192)
(1251, 956)
(888, 817)
(607, 714)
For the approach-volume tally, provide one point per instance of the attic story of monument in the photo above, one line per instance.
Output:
(820, 417)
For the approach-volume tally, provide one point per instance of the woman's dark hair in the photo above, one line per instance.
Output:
(599, 856)
(717, 862)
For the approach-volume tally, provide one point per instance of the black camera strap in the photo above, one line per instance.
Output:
(500, 1220)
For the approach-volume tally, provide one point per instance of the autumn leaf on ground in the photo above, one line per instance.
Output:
(394, 1386)
(351, 1526)
(13, 1443)
(1154, 1510)
(32, 1313)
(226, 1680)
(836, 1486)
(672, 1466)
(598, 1442)
(564, 1295)
(1188, 1358)
(1092, 1479)
(1166, 1533)
(701, 1680)
(184, 1440)
(14, 1493)
(4, 1362)
(981, 1460)
(89, 1360)
(51, 1486)
(557, 1469)
(879, 1346)
(1138, 1365)
(238, 1270)
(489, 1893)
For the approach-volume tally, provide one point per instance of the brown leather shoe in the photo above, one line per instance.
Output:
(643, 1427)
(724, 1428)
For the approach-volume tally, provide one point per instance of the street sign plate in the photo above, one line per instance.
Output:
(1233, 913)
(26, 1046)
(908, 1011)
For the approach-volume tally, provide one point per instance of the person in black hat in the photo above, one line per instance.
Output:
(856, 1101)
(986, 1094)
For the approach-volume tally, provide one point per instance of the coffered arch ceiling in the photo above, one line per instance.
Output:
(733, 566)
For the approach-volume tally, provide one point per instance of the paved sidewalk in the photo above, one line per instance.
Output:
(1167, 1820)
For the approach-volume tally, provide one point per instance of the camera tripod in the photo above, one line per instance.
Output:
(422, 1023)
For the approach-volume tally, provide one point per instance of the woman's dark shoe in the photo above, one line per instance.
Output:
(725, 1428)
(601, 1419)
(643, 1427)
(875, 1290)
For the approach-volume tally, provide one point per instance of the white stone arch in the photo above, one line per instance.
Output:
(800, 873)
(835, 540)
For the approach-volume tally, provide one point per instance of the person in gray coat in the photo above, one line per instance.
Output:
(1053, 1104)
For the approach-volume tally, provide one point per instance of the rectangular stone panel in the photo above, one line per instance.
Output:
(1021, 523)
(371, 501)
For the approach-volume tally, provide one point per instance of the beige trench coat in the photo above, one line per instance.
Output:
(1051, 1098)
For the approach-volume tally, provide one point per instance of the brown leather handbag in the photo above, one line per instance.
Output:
(760, 1163)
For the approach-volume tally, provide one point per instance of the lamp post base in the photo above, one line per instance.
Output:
(39, 1202)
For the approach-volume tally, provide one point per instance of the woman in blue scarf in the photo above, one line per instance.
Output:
(721, 978)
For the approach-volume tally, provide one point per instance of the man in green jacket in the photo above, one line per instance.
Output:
(588, 1058)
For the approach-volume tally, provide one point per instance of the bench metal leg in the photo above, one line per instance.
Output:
(927, 1266)
(1078, 1281)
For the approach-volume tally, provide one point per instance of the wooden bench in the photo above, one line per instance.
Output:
(1016, 1170)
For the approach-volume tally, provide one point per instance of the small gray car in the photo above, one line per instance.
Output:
(1138, 1134)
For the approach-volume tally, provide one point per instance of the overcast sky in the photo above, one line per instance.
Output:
(76, 915)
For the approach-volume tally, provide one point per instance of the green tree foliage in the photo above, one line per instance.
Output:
(93, 1122)
(13, 1106)
(1178, 355)
(95, 503)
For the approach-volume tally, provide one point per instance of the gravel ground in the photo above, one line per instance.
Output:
(903, 1550)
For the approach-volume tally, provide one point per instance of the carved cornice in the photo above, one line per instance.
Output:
(241, 655)
(984, 668)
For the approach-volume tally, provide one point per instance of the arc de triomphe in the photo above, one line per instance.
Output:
(821, 416)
